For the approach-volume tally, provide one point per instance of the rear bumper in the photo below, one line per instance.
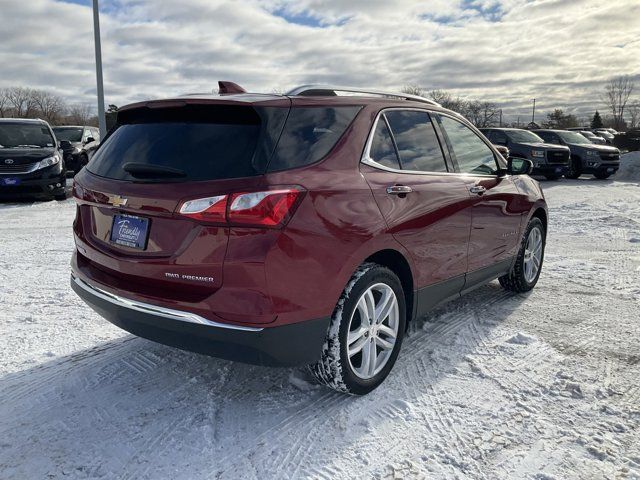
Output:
(287, 345)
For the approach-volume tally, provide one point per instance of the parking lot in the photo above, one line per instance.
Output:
(538, 385)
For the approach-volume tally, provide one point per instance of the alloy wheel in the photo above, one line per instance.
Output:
(373, 330)
(533, 255)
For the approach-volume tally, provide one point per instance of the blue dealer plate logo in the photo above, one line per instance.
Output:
(130, 231)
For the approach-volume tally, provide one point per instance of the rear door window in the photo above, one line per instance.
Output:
(416, 139)
(383, 151)
(309, 134)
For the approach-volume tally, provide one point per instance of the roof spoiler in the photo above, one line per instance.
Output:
(229, 88)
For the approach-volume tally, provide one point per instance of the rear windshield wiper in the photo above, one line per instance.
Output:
(145, 170)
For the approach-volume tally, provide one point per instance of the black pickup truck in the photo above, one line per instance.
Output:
(601, 161)
(549, 160)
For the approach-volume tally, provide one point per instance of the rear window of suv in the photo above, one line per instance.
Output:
(219, 142)
(205, 143)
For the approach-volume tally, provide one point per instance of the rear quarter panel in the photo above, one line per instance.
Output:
(335, 228)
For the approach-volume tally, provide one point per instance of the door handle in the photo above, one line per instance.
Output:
(478, 189)
(399, 189)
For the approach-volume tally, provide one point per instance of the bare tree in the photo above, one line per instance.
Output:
(634, 114)
(444, 98)
(481, 114)
(441, 96)
(20, 102)
(4, 103)
(414, 89)
(490, 114)
(616, 95)
(51, 107)
(474, 112)
(79, 114)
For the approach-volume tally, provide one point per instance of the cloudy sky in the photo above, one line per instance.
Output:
(508, 51)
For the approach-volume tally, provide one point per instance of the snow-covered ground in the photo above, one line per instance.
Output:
(495, 385)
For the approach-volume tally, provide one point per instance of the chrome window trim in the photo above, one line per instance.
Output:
(169, 313)
(367, 160)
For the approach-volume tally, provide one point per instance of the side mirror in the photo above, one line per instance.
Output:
(519, 166)
(89, 140)
(65, 144)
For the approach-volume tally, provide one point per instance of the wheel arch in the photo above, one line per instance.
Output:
(541, 213)
(576, 156)
(398, 264)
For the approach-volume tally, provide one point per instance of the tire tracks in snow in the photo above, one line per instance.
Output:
(417, 377)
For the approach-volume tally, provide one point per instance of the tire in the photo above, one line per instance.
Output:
(575, 169)
(336, 369)
(520, 278)
(552, 176)
(601, 175)
(60, 196)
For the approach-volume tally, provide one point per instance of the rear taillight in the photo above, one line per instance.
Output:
(210, 209)
(268, 208)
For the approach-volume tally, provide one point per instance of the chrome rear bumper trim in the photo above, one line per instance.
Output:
(177, 315)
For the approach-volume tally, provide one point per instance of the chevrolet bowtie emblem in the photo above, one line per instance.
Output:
(117, 201)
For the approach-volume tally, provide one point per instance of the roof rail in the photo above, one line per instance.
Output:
(331, 90)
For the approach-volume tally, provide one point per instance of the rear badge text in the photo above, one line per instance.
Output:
(193, 278)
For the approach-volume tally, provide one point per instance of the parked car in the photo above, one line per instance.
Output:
(612, 131)
(78, 144)
(586, 158)
(592, 137)
(552, 161)
(629, 141)
(306, 228)
(31, 162)
(606, 135)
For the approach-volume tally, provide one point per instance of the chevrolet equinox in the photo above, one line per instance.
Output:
(300, 229)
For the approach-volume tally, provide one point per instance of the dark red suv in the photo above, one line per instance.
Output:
(307, 228)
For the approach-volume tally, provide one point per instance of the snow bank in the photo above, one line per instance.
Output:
(629, 167)
(521, 339)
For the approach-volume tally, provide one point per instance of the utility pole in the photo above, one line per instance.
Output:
(501, 117)
(96, 35)
(533, 115)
